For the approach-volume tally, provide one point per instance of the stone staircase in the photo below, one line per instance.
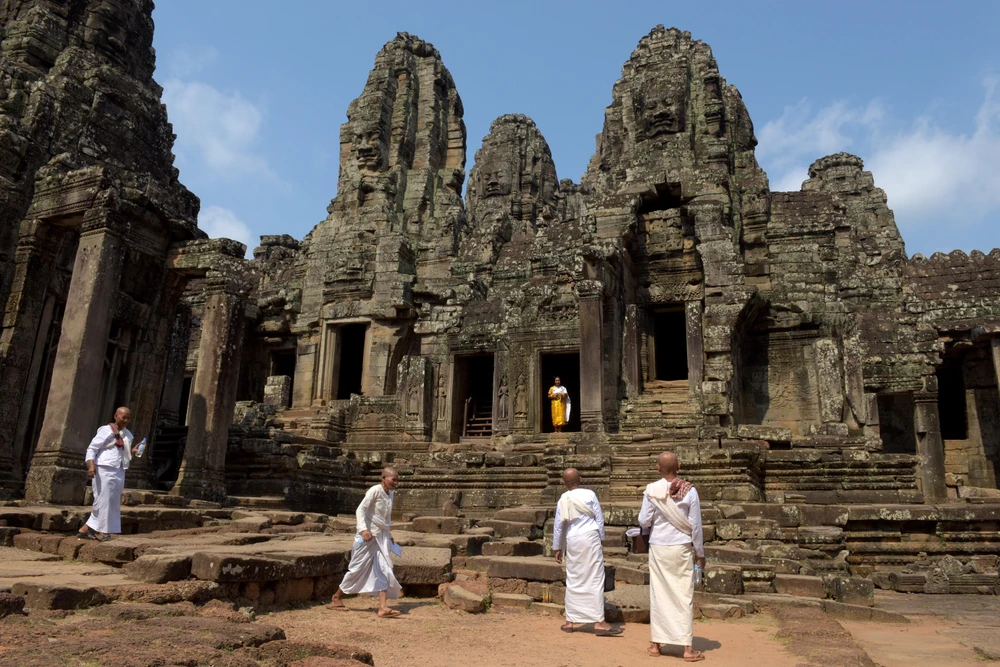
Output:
(480, 424)
(665, 410)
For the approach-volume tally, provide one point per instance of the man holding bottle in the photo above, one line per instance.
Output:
(107, 459)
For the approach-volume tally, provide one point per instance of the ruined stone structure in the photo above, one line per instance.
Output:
(782, 343)
(97, 242)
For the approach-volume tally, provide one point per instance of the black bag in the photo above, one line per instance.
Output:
(609, 578)
(640, 543)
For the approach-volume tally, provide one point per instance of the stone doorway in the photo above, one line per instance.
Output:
(565, 366)
(895, 414)
(351, 361)
(472, 407)
(283, 363)
(114, 379)
(668, 355)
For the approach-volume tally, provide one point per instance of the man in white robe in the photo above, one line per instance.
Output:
(578, 533)
(370, 570)
(107, 460)
(671, 510)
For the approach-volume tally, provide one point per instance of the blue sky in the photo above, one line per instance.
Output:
(257, 94)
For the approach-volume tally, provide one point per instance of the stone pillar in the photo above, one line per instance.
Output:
(57, 473)
(173, 383)
(34, 262)
(501, 394)
(213, 393)
(591, 359)
(695, 345)
(631, 368)
(995, 350)
(930, 445)
(305, 373)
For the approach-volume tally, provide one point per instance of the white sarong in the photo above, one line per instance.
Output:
(370, 570)
(671, 593)
(106, 514)
(584, 578)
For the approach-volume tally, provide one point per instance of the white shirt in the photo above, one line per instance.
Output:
(580, 524)
(103, 452)
(664, 534)
(375, 509)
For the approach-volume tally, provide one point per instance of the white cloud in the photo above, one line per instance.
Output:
(219, 129)
(219, 222)
(184, 63)
(930, 174)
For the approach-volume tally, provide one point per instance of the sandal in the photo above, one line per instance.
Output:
(91, 534)
(103, 539)
(610, 632)
(568, 627)
(654, 651)
(698, 656)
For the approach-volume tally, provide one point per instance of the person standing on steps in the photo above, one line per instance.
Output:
(107, 460)
(561, 406)
(370, 570)
(672, 510)
(578, 533)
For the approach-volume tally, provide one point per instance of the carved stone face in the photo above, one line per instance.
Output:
(107, 29)
(368, 149)
(496, 180)
(659, 107)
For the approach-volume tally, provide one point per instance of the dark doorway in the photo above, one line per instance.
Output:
(670, 359)
(895, 415)
(951, 402)
(283, 363)
(182, 409)
(472, 410)
(565, 366)
(351, 341)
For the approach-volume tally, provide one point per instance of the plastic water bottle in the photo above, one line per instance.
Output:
(142, 449)
(697, 574)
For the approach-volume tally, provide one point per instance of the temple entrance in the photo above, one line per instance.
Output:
(565, 366)
(895, 415)
(182, 409)
(668, 358)
(114, 379)
(350, 359)
(472, 406)
(283, 363)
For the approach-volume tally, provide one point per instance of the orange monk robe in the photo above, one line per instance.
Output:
(560, 405)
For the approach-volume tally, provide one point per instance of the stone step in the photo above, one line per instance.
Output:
(503, 529)
(260, 502)
(513, 547)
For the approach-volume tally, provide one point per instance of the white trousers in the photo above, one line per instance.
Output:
(584, 578)
(370, 570)
(671, 593)
(106, 514)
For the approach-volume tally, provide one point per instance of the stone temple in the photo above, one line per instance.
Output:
(807, 370)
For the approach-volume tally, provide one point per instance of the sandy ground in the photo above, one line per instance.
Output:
(429, 634)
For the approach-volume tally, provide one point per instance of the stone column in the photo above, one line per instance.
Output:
(995, 350)
(591, 359)
(57, 473)
(34, 261)
(631, 368)
(213, 393)
(695, 345)
(930, 445)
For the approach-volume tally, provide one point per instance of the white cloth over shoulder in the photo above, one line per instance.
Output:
(102, 450)
(106, 514)
(663, 531)
(562, 391)
(578, 511)
(370, 570)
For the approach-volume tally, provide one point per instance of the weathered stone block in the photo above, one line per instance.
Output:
(546, 592)
(45, 596)
(423, 566)
(533, 515)
(529, 569)
(511, 600)
(502, 529)
(852, 590)
(159, 568)
(512, 548)
(442, 525)
(722, 611)
(456, 597)
(799, 585)
(724, 579)
(629, 604)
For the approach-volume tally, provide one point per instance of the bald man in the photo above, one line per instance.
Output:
(578, 533)
(108, 456)
(370, 570)
(672, 510)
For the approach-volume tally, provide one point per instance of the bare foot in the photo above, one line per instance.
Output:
(693, 656)
(654, 650)
(387, 613)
